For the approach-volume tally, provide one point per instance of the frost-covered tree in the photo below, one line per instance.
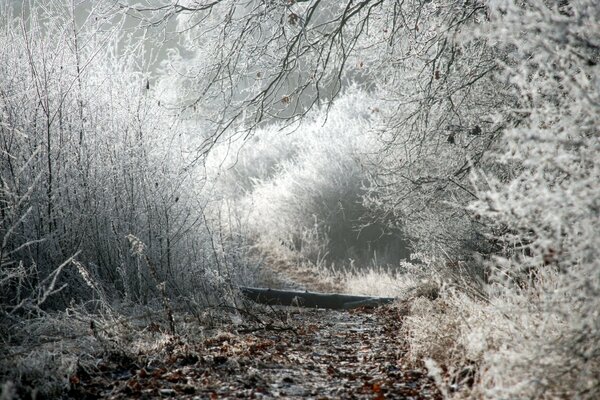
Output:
(440, 95)
(429, 79)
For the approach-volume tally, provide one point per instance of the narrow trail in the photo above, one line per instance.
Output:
(316, 354)
(286, 352)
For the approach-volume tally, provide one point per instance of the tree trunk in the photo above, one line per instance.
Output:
(312, 300)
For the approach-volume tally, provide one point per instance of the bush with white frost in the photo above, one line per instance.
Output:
(537, 335)
(300, 189)
(87, 157)
(547, 217)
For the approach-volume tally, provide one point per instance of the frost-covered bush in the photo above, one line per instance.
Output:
(237, 166)
(303, 186)
(89, 156)
(537, 333)
(89, 159)
(547, 216)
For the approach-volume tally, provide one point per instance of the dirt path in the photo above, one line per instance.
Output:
(316, 354)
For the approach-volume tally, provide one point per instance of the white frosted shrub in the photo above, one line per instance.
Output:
(538, 333)
(298, 190)
(105, 162)
(317, 195)
(434, 128)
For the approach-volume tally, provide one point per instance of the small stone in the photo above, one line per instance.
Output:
(167, 392)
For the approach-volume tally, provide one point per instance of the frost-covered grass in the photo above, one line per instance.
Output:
(516, 344)
(43, 352)
(50, 354)
(378, 282)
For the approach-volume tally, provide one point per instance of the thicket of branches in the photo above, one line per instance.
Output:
(431, 95)
(92, 166)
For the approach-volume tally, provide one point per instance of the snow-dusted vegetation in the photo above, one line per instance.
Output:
(300, 189)
(154, 158)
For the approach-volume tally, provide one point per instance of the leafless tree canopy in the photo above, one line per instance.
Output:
(258, 61)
